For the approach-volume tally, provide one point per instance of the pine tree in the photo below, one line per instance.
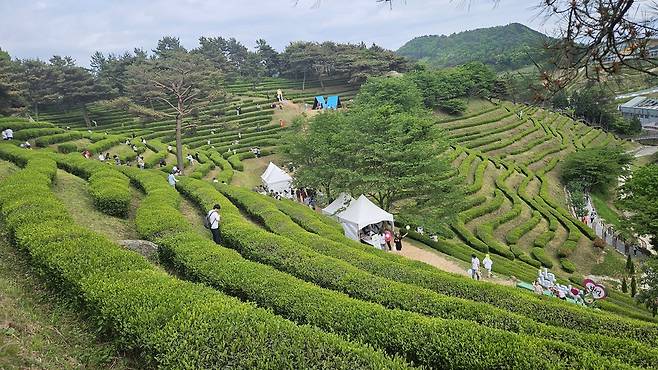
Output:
(633, 286)
(624, 286)
(629, 264)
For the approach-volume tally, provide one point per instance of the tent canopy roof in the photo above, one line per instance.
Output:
(273, 174)
(339, 204)
(363, 212)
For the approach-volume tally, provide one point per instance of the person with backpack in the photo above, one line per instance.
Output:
(212, 222)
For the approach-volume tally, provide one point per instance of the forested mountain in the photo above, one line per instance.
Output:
(502, 47)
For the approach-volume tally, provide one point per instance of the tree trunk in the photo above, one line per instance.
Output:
(321, 82)
(179, 144)
(85, 115)
(36, 110)
(304, 80)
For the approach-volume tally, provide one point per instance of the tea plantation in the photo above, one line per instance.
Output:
(286, 289)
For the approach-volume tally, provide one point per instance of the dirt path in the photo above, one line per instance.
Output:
(416, 251)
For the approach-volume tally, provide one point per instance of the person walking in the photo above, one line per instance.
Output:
(172, 178)
(488, 264)
(382, 241)
(279, 95)
(475, 267)
(388, 237)
(213, 219)
(398, 240)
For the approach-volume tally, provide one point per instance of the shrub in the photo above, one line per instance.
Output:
(110, 191)
(288, 257)
(29, 133)
(66, 148)
(167, 323)
(540, 255)
(543, 239)
(516, 233)
(598, 243)
(44, 141)
(567, 248)
(235, 162)
(567, 265)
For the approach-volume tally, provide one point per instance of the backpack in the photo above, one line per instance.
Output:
(206, 221)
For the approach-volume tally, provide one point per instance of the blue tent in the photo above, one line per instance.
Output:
(333, 102)
(319, 103)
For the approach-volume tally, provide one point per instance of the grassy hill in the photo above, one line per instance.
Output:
(286, 288)
(503, 47)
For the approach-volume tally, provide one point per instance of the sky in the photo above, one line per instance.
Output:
(78, 28)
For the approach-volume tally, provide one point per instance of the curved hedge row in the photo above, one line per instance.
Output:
(110, 191)
(286, 257)
(567, 265)
(108, 142)
(29, 133)
(212, 271)
(543, 239)
(540, 255)
(66, 148)
(481, 210)
(523, 256)
(168, 323)
(43, 141)
(517, 232)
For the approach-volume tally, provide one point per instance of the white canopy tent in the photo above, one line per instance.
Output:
(339, 205)
(276, 179)
(361, 213)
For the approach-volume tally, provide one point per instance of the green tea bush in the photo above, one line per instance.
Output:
(517, 232)
(66, 148)
(540, 255)
(29, 133)
(164, 322)
(554, 312)
(543, 239)
(110, 191)
(567, 265)
(46, 140)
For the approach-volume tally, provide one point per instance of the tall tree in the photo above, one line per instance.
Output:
(182, 82)
(268, 57)
(76, 86)
(38, 84)
(596, 168)
(648, 293)
(9, 84)
(639, 196)
(387, 147)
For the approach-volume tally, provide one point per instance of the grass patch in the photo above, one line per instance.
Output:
(604, 210)
(253, 168)
(72, 191)
(613, 265)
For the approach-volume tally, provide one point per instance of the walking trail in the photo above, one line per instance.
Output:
(415, 251)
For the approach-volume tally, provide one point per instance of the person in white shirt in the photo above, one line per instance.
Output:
(213, 221)
(172, 179)
(10, 134)
(169, 148)
(4, 134)
(101, 157)
(190, 158)
(375, 240)
(475, 267)
(488, 264)
(140, 162)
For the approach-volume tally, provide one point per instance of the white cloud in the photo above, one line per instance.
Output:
(78, 27)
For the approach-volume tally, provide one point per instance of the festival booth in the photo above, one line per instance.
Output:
(276, 179)
(333, 102)
(319, 103)
(362, 218)
(339, 205)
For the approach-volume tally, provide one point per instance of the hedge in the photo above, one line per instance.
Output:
(165, 322)
(108, 142)
(226, 175)
(287, 257)
(44, 141)
(567, 265)
(235, 162)
(212, 270)
(110, 191)
(543, 239)
(540, 255)
(517, 232)
(483, 209)
(29, 133)
(521, 255)
(66, 148)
